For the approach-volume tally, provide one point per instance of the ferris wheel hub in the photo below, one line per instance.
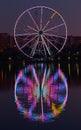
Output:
(40, 32)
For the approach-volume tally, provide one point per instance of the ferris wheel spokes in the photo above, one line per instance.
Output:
(25, 34)
(34, 47)
(41, 20)
(33, 20)
(31, 28)
(28, 42)
(52, 16)
(55, 27)
(51, 43)
(44, 42)
(54, 35)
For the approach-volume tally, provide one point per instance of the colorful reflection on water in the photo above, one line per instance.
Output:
(41, 92)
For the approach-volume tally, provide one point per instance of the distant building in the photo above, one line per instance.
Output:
(6, 41)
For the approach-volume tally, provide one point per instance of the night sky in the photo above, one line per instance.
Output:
(69, 9)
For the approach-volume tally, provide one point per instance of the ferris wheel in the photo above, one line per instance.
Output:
(40, 31)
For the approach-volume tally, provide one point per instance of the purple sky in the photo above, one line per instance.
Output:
(69, 9)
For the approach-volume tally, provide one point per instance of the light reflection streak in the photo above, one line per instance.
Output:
(77, 69)
(69, 69)
(9, 67)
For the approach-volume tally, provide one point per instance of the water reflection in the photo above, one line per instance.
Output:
(69, 69)
(9, 70)
(77, 69)
(41, 92)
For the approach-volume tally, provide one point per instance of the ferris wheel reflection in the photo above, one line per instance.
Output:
(41, 92)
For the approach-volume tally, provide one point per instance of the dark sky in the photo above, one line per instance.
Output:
(69, 9)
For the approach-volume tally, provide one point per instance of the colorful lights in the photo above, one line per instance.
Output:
(41, 92)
